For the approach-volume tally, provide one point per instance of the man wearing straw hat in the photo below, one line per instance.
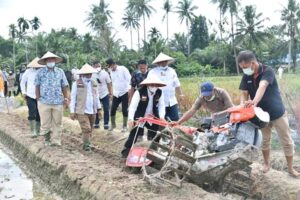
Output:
(51, 93)
(148, 100)
(28, 91)
(168, 76)
(85, 103)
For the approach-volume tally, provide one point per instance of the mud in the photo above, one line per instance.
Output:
(75, 174)
(101, 174)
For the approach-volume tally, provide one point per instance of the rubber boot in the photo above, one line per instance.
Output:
(37, 127)
(113, 123)
(124, 128)
(32, 125)
(48, 139)
(86, 145)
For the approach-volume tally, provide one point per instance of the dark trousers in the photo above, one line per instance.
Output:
(105, 104)
(5, 88)
(152, 130)
(116, 102)
(33, 112)
(172, 113)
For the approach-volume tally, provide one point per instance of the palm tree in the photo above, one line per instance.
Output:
(221, 17)
(142, 9)
(98, 17)
(185, 11)
(232, 7)
(13, 34)
(23, 25)
(130, 20)
(291, 17)
(249, 30)
(168, 8)
(35, 25)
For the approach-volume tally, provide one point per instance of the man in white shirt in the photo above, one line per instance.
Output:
(28, 91)
(168, 76)
(105, 92)
(85, 103)
(120, 77)
(148, 100)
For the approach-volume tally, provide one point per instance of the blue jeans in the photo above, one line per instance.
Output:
(105, 107)
(172, 113)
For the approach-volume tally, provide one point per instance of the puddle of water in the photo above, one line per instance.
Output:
(16, 185)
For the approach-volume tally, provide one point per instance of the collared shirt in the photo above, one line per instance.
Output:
(169, 76)
(149, 110)
(102, 78)
(27, 82)
(137, 78)
(271, 101)
(120, 81)
(221, 102)
(89, 105)
(51, 84)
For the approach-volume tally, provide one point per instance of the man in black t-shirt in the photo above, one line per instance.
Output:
(259, 88)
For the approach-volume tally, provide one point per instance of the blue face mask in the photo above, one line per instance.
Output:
(248, 71)
(85, 79)
(50, 64)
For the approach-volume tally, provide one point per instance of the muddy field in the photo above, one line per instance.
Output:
(102, 172)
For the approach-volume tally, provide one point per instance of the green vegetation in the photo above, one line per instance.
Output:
(202, 50)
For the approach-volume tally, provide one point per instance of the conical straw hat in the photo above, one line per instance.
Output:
(42, 61)
(87, 69)
(153, 80)
(34, 63)
(163, 57)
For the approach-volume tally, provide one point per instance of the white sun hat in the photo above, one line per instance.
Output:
(153, 80)
(163, 57)
(34, 63)
(87, 69)
(42, 61)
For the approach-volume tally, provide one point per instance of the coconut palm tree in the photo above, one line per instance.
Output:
(98, 17)
(232, 7)
(290, 15)
(142, 9)
(13, 34)
(130, 21)
(249, 29)
(35, 25)
(168, 8)
(185, 11)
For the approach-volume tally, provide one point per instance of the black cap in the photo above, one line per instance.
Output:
(142, 62)
(110, 61)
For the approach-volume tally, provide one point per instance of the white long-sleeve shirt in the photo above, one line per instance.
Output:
(169, 77)
(89, 105)
(149, 110)
(120, 81)
(27, 82)
(104, 79)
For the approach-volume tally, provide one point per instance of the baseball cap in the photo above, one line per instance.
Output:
(206, 88)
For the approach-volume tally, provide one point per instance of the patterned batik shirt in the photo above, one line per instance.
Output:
(51, 83)
(137, 78)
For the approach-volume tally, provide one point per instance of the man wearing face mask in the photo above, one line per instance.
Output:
(105, 92)
(148, 100)
(28, 91)
(168, 76)
(85, 103)
(260, 88)
(51, 90)
(212, 98)
(120, 77)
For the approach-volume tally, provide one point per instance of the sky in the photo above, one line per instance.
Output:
(72, 13)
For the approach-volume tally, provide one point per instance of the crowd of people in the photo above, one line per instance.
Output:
(145, 92)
